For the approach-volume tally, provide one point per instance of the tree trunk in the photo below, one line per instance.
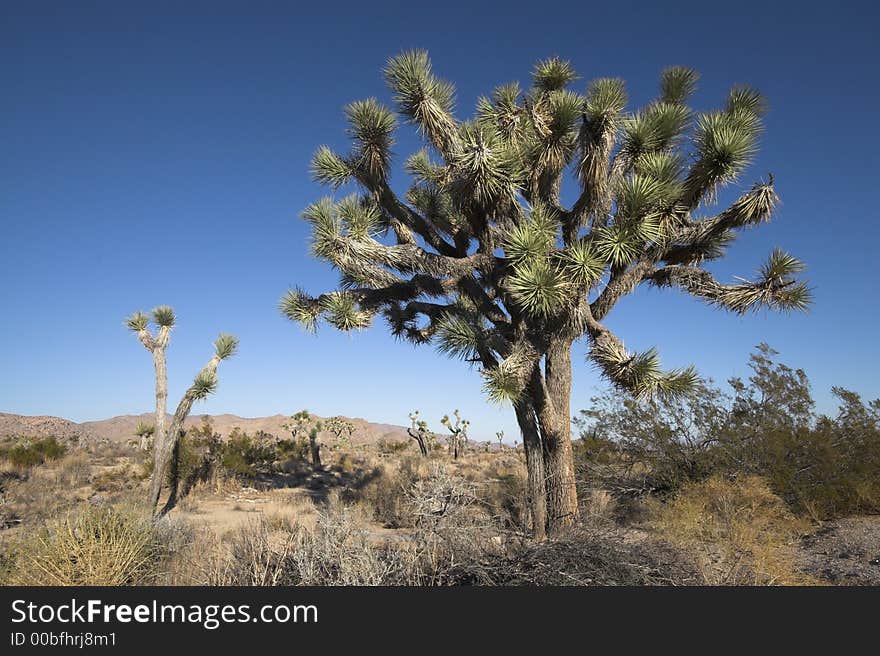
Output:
(555, 424)
(173, 478)
(536, 490)
(316, 450)
(159, 434)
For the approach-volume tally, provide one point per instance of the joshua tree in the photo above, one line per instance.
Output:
(301, 424)
(482, 258)
(166, 437)
(342, 430)
(458, 432)
(144, 432)
(420, 432)
(500, 437)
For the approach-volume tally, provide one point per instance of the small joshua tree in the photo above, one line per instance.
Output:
(420, 432)
(302, 424)
(166, 437)
(500, 437)
(342, 429)
(144, 432)
(458, 433)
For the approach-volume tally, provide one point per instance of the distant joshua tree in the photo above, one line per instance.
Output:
(420, 432)
(458, 432)
(342, 429)
(302, 424)
(481, 257)
(500, 437)
(166, 437)
(144, 432)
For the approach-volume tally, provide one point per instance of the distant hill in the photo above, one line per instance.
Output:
(122, 428)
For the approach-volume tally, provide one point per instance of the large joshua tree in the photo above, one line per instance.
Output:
(481, 257)
(166, 436)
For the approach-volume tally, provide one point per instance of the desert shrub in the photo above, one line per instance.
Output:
(72, 470)
(821, 466)
(294, 449)
(113, 479)
(105, 545)
(30, 452)
(244, 455)
(504, 493)
(388, 446)
(384, 491)
(338, 550)
(738, 531)
(586, 555)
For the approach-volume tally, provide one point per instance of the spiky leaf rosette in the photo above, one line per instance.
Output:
(330, 169)
(204, 385)
(485, 169)
(225, 346)
(163, 316)
(640, 374)
(582, 265)
(371, 127)
(137, 321)
(298, 306)
(341, 311)
(553, 74)
(533, 239)
(677, 84)
(506, 381)
(538, 287)
(423, 98)
(457, 336)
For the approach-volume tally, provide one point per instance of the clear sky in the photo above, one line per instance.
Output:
(158, 153)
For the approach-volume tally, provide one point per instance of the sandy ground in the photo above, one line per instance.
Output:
(844, 552)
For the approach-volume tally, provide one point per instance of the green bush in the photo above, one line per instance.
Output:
(32, 452)
(821, 466)
(243, 455)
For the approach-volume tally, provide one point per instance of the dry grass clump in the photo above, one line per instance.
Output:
(106, 545)
(587, 555)
(338, 550)
(737, 530)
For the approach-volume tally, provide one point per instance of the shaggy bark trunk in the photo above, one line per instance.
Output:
(537, 492)
(173, 478)
(316, 450)
(553, 418)
(159, 435)
(423, 448)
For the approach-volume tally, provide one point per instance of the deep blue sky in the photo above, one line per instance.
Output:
(158, 153)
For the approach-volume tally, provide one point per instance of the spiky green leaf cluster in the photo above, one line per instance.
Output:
(372, 127)
(458, 336)
(677, 84)
(640, 374)
(606, 98)
(505, 381)
(553, 74)
(137, 321)
(298, 306)
(342, 311)
(582, 265)
(422, 97)
(204, 385)
(485, 169)
(538, 287)
(330, 169)
(163, 316)
(225, 346)
(532, 239)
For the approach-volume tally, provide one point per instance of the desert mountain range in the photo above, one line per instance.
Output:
(122, 428)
